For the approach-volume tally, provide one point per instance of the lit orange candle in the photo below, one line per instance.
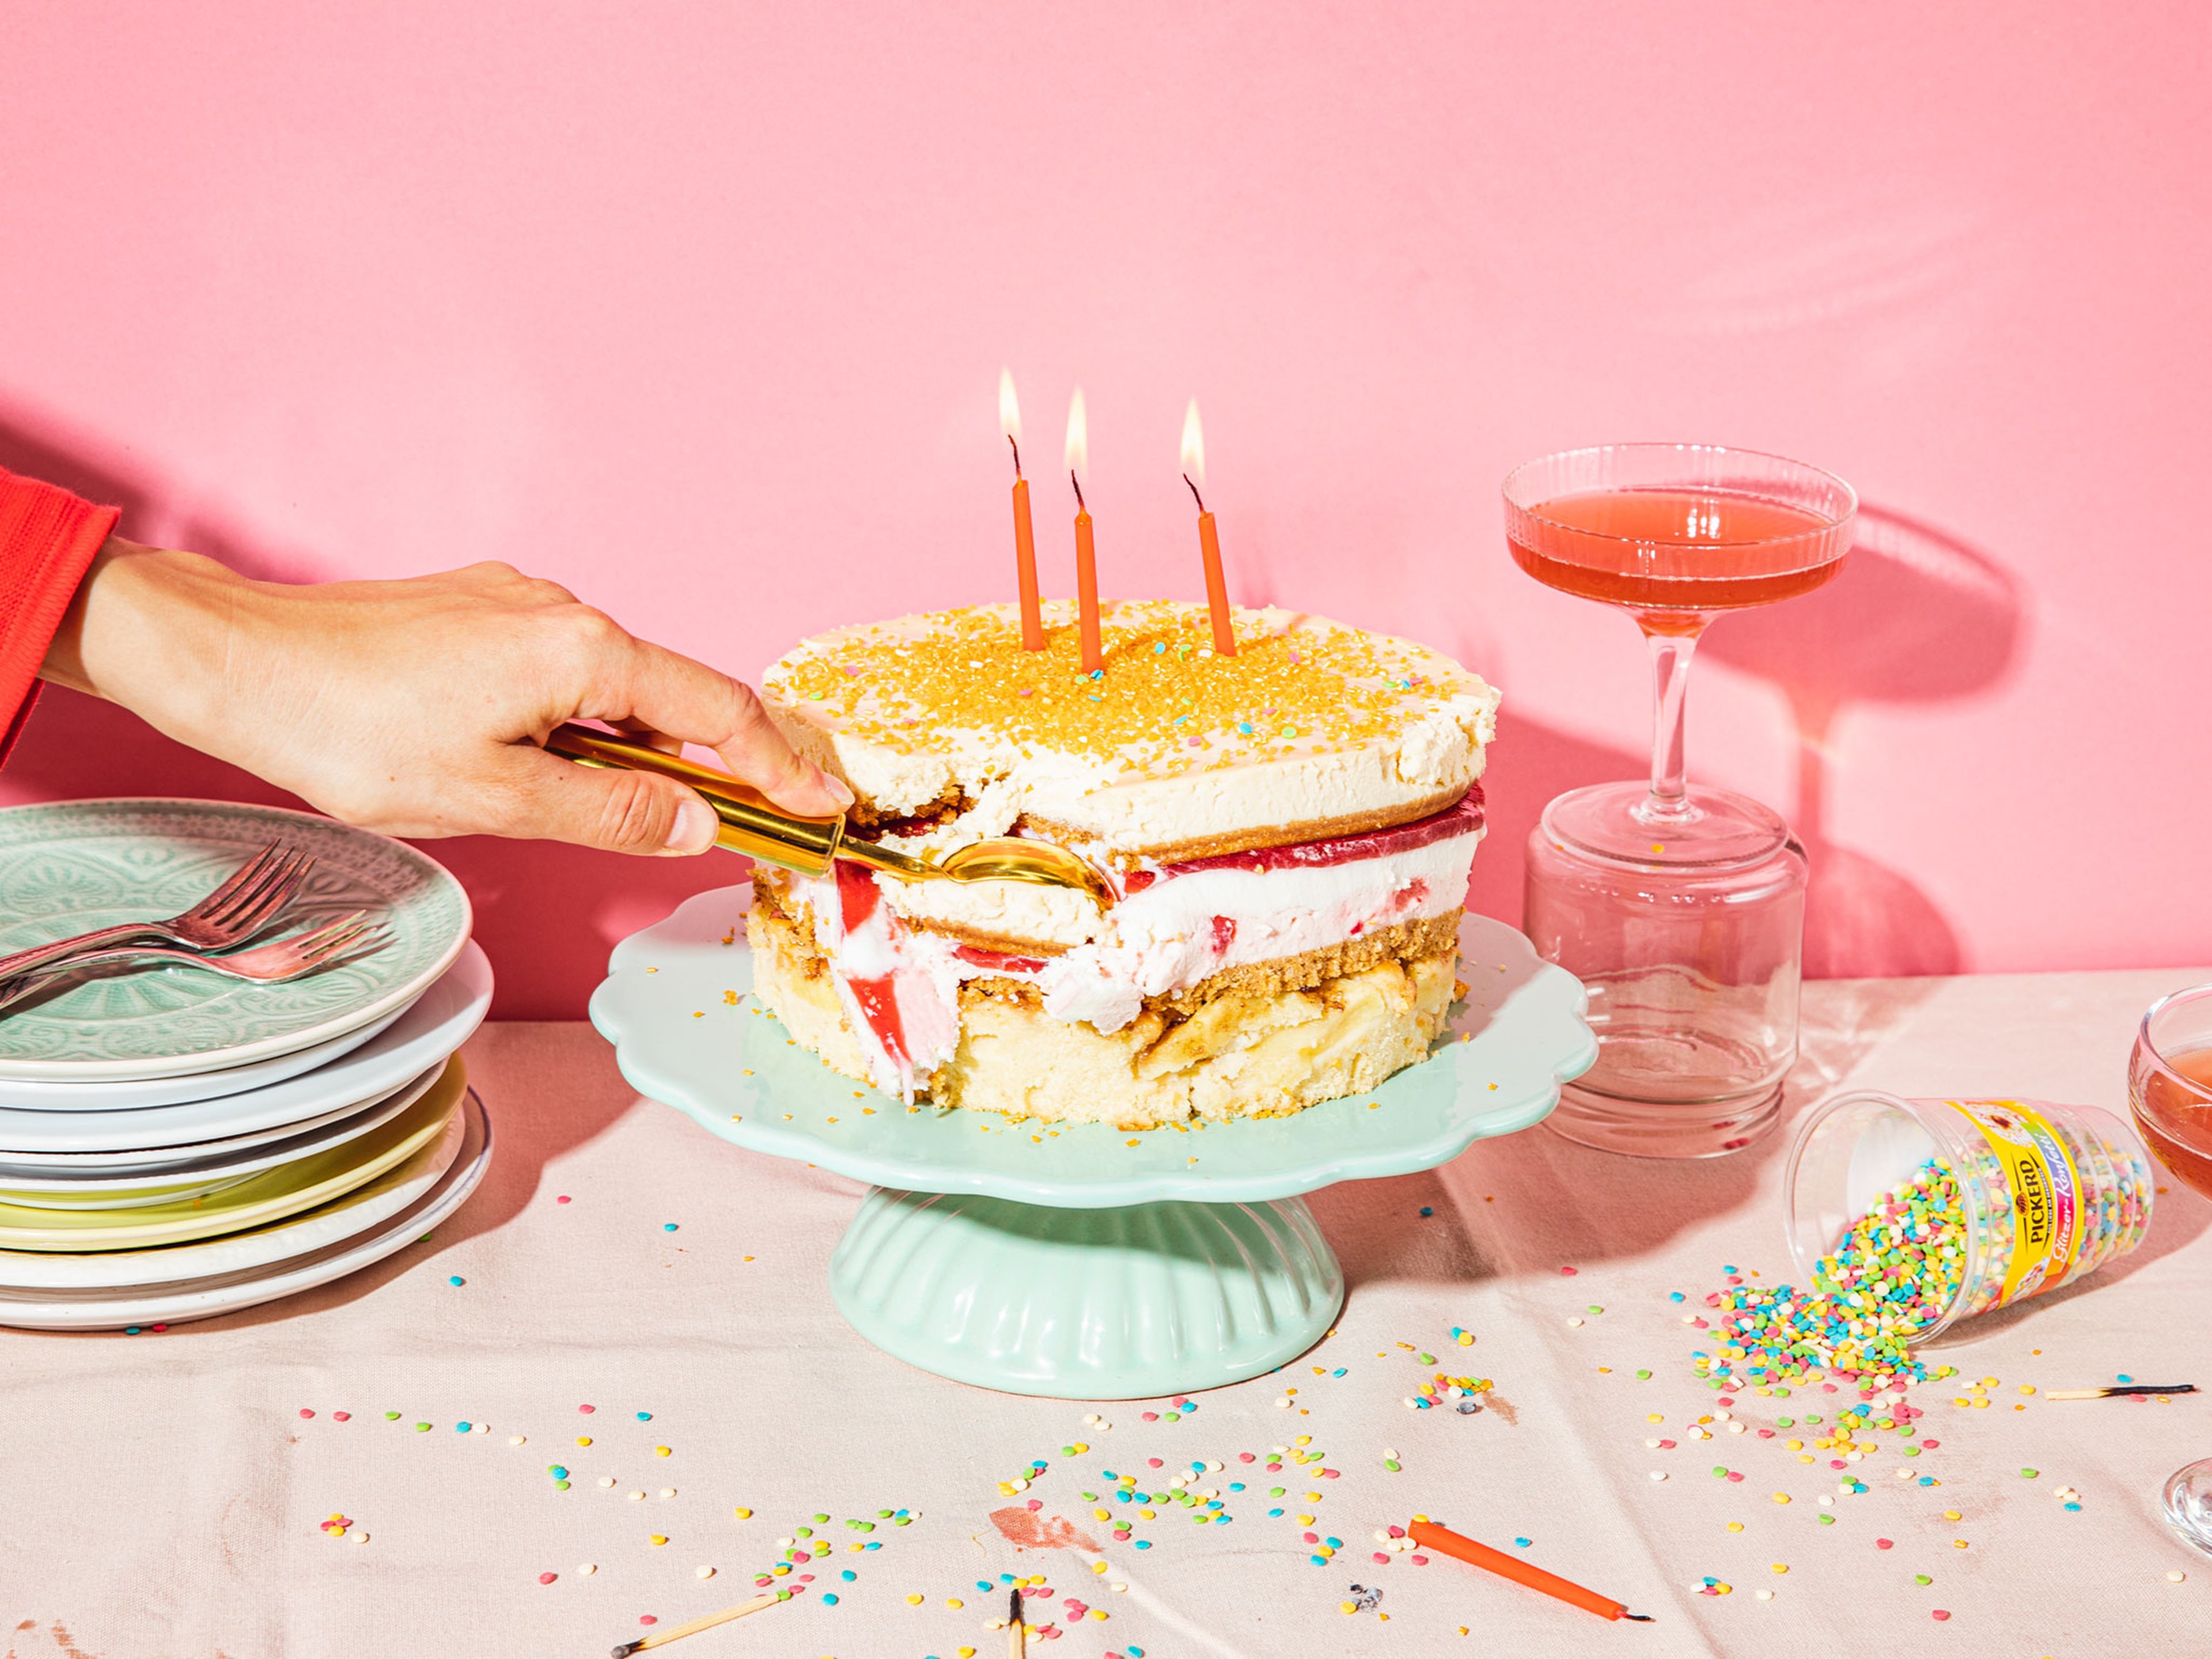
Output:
(1086, 556)
(1209, 541)
(1025, 577)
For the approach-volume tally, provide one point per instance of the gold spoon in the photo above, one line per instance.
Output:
(810, 845)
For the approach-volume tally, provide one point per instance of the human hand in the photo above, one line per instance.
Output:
(415, 707)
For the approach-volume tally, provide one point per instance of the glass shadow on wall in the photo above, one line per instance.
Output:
(546, 912)
(1915, 616)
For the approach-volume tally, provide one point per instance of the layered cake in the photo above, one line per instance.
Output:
(1286, 835)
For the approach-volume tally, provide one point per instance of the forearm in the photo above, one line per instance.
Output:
(156, 630)
(142, 616)
(415, 706)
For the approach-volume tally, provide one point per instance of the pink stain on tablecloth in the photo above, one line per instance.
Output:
(1026, 1530)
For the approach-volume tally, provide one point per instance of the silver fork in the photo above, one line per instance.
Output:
(241, 908)
(350, 937)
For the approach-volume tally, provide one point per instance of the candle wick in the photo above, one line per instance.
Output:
(1011, 439)
(1077, 482)
(1199, 499)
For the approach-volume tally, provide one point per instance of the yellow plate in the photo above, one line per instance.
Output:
(119, 1198)
(269, 1196)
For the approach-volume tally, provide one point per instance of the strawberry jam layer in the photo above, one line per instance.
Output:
(1462, 818)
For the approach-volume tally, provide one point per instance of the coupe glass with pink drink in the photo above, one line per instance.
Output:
(1682, 911)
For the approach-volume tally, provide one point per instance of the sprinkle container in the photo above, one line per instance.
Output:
(1974, 1204)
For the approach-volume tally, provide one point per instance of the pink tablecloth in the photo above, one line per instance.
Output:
(165, 1495)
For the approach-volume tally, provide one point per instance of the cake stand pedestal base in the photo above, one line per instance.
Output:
(1123, 1303)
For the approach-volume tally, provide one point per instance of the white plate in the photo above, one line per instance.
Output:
(144, 1159)
(133, 1307)
(442, 1018)
(66, 866)
(44, 1273)
(223, 1161)
(92, 1096)
(161, 1157)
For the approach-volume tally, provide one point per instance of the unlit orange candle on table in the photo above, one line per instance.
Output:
(1429, 1535)
(1086, 555)
(1209, 541)
(1026, 575)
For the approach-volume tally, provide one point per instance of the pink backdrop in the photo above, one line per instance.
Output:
(700, 310)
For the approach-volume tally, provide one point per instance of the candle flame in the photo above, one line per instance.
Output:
(1010, 409)
(1194, 447)
(1078, 438)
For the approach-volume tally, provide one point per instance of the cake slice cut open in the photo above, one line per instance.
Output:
(1287, 833)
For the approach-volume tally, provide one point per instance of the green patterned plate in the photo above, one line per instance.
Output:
(71, 866)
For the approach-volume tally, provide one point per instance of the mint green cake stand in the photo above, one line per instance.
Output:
(1063, 1259)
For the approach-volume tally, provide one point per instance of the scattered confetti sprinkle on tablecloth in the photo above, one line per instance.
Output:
(611, 1395)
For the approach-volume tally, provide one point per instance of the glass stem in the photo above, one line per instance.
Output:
(1669, 803)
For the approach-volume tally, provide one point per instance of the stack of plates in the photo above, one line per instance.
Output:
(175, 1145)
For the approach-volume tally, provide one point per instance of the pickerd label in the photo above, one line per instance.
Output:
(2046, 1195)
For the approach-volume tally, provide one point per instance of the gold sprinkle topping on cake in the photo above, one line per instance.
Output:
(1164, 700)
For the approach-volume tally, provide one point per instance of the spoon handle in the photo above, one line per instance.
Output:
(749, 823)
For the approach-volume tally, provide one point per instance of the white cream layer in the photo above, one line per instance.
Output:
(1169, 937)
(1186, 928)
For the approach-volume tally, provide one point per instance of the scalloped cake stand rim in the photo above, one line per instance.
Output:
(1535, 1033)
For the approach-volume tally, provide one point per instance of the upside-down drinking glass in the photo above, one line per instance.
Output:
(1682, 911)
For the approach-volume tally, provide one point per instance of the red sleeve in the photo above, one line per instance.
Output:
(47, 538)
